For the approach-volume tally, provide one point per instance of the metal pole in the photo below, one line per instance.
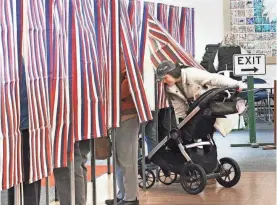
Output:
(156, 117)
(143, 155)
(56, 194)
(114, 165)
(22, 194)
(109, 165)
(72, 182)
(93, 175)
(17, 200)
(109, 159)
(251, 112)
(47, 191)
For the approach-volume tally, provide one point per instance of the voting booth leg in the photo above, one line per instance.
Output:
(93, 175)
(56, 194)
(114, 165)
(72, 182)
(109, 165)
(17, 195)
(47, 192)
(156, 118)
(143, 155)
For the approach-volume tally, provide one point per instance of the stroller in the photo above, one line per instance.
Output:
(182, 154)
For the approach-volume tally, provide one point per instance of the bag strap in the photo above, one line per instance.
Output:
(184, 94)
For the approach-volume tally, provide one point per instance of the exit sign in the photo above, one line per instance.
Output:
(249, 64)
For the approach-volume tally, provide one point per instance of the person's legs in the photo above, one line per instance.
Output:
(127, 156)
(84, 149)
(150, 134)
(119, 181)
(31, 192)
(62, 179)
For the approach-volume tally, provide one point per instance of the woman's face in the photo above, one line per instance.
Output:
(169, 80)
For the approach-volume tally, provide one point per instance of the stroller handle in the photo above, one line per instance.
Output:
(215, 91)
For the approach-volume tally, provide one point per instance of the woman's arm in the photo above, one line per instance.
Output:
(205, 78)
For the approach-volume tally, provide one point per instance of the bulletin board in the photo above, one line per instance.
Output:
(254, 28)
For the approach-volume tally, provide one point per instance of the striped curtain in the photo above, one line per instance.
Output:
(36, 69)
(90, 107)
(10, 137)
(133, 73)
(162, 16)
(105, 29)
(174, 22)
(60, 72)
(163, 46)
(134, 11)
(101, 49)
(143, 34)
(187, 30)
(114, 64)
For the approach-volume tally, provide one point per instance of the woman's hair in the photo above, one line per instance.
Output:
(229, 40)
(176, 72)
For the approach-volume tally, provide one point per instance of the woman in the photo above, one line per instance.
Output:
(224, 57)
(184, 84)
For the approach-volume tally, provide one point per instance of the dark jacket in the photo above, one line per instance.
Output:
(24, 118)
(225, 59)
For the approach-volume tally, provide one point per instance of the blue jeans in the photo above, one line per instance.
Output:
(150, 138)
(150, 135)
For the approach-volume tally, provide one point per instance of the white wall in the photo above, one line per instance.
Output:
(208, 21)
(271, 74)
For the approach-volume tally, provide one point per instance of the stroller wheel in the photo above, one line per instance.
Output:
(193, 179)
(166, 178)
(230, 172)
(149, 178)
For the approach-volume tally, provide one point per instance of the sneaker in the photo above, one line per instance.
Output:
(128, 202)
(110, 201)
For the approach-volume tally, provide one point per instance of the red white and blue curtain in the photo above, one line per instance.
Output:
(90, 107)
(10, 137)
(71, 51)
(59, 20)
(132, 67)
(174, 22)
(187, 35)
(34, 53)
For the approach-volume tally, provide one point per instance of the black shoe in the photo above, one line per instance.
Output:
(110, 201)
(128, 202)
